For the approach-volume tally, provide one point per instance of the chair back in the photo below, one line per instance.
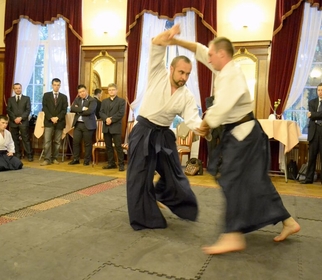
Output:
(185, 136)
(99, 131)
(185, 141)
(129, 127)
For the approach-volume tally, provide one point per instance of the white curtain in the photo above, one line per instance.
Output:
(57, 59)
(27, 49)
(309, 38)
(152, 26)
(188, 27)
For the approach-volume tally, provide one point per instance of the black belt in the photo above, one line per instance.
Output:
(319, 124)
(247, 118)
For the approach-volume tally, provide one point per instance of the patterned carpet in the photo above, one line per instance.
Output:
(82, 232)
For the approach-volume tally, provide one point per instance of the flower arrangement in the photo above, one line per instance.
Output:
(276, 104)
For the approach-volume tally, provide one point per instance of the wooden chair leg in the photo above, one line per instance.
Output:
(93, 157)
(116, 157)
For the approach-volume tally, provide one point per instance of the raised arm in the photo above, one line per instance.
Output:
(191, 46)
(164, 38)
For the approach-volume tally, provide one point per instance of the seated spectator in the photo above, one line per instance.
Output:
(7, 148)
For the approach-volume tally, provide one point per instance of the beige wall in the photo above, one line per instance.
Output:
(258, 16)
(104, 22)
(110, 16)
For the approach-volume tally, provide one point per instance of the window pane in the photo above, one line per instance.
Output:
(298, 111)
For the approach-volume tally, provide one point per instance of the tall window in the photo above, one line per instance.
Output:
(308, 71)
(41, 56)
(36, 86)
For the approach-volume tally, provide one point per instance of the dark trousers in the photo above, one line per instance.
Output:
(117, 139)
(81, 133)
(151, 148)
(24, 133)
(252, 201)
(315, 148)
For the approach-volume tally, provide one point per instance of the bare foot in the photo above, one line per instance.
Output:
(290, 226)
(160, 205)
(227, 242)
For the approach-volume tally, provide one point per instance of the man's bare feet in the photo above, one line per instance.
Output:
(290, 226)
(227, 242)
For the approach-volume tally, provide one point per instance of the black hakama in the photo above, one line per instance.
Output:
(151, 148)
(252, 200)
(9, 163)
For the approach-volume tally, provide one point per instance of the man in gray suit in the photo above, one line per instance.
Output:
(84, 124)
(18, 109)
(54, 105)
(111, 113)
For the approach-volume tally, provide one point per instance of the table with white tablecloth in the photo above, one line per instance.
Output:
(67, 131)
(284, 131)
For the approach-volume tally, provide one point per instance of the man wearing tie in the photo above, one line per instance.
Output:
(84, 124)
(54, 105)
(314, 135)
(18, 109)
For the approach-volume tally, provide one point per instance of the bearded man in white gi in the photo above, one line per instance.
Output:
(252, 200)
(152, 145)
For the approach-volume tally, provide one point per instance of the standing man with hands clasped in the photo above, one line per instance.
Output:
(314, 135)
(54, 105)
(18, 109)
(84, 124)
(112, 112)
(252, 200)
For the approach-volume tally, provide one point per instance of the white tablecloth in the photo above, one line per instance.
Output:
(39, 127)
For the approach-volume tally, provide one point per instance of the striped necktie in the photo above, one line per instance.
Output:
(319, 122)
(56, 96)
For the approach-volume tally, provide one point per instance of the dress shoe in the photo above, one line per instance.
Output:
(306, 182)
(74, 161)
(121, 168)
(30, 159)
(112, 166)
(45, 162)
(55, 161)
(86, 163)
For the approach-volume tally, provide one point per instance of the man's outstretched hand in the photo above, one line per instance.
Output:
(164, 38)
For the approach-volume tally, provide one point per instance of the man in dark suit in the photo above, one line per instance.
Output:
(112, 112)
(314, 135)
(18, 109)
(98, 96)
(54, 105)
(84, 124)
